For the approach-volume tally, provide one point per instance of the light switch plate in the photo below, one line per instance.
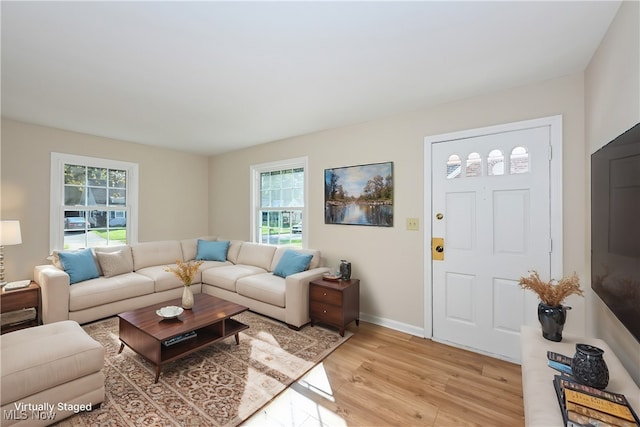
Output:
(413, 224)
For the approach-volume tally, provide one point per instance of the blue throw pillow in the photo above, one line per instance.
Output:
(292, 262)
(212, 250)
(79, 265)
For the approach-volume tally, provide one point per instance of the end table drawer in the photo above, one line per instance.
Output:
(20, 308)
(325, 295)
(25, 299)
(326, 313)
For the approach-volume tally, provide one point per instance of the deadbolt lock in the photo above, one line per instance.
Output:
(437, 249)
(439, 215)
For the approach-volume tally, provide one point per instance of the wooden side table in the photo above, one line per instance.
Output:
(334, 303)
(20, 299)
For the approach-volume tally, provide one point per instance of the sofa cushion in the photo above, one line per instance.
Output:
(110, 249)
(55, 260)
(226, 277)
(212, 251)
(115, 263)
(268, 288)
(79, 265)
(150, 254)
(234, 250)
(165, 280)
(256, 254)
(292, 262)
(103, 290)
(213, 264)
(315, 261)
(190, 247)
(42, 357)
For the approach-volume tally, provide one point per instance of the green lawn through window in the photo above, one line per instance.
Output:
(113, 235)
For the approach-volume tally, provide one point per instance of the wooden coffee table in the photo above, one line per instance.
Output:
(144, 331)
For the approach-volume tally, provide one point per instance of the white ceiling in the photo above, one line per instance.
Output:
(210, 77)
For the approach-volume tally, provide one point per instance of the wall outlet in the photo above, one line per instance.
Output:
(413, 224)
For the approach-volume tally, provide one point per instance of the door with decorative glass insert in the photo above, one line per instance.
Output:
(491, 207)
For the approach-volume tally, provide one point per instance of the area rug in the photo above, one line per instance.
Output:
(220, 385)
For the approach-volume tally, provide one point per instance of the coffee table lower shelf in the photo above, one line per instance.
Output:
(159, 354)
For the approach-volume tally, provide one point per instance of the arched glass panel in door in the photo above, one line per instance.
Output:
(519, 161)
(495, 163)
(454, 166)
(474, 165)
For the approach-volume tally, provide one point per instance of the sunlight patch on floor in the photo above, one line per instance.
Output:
(307, 403)
(278, 359)
(316, 381)
(262, 387)
(267, 337)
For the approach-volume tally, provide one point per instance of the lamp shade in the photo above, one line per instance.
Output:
(10, 232)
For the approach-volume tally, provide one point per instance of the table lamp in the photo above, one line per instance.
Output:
(9, 235)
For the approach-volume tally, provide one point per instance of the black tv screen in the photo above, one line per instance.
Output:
(615, 227)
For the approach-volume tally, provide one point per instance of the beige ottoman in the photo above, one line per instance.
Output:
(49, 372)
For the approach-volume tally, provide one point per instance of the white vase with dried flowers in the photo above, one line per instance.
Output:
(185, 271)
(551, 313)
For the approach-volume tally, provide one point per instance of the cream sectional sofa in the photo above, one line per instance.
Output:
(245, 277)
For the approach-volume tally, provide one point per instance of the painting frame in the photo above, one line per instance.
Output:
(359, 195)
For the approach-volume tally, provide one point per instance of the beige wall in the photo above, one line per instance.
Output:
(173, 188)
(612, 105)
(389, 261)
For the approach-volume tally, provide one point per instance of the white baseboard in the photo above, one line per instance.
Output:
(395, 325)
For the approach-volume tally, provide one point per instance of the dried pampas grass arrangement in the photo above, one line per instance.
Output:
(185, 270)
(551, 293)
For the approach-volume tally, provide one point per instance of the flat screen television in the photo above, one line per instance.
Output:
(615, 227)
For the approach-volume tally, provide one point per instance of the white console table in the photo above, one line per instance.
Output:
(541, 407)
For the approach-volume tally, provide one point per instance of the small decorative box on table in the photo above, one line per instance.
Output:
(334, 303)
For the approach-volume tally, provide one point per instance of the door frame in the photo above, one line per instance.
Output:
(555, 182)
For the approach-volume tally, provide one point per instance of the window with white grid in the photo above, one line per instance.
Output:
(279, 194)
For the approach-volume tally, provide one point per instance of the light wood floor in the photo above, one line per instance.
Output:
(381, 377)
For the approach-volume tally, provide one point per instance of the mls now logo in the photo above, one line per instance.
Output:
(15, 415)
(29, 411)
(22, 415)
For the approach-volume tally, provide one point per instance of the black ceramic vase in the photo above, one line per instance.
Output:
(588, 366)
(552, 321)
(345, 270)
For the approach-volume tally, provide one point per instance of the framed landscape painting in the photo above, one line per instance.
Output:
(359, 195)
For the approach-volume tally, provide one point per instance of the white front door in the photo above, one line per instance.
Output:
(491, 207)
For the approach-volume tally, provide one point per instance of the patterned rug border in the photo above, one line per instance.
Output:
(223, 384)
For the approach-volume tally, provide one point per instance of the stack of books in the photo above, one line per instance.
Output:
(584, 406)
(559, 362)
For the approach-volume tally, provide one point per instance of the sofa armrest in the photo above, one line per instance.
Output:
(297, 295)
(54, 292)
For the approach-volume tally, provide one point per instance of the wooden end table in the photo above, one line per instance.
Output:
(334, 303)
(145, 332)
(19, 299)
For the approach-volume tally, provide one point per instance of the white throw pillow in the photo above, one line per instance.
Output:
(115, 263)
